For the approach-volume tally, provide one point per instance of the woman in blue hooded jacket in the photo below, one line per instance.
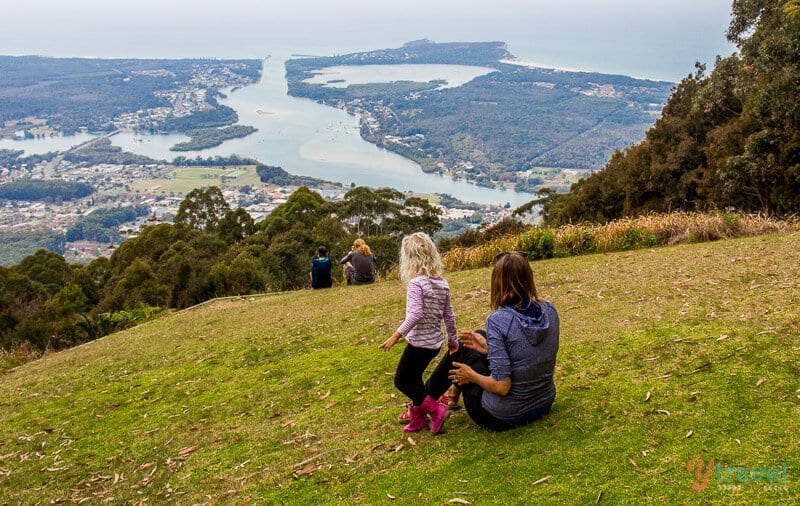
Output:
(506, 373)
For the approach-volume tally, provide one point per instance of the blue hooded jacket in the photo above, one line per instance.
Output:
(522, 348)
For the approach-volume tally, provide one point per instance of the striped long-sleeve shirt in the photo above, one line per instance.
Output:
(427, 305)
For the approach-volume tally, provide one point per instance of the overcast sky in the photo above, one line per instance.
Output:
(649, 38)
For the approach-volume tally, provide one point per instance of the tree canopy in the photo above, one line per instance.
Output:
(730, 138)
(211, 250)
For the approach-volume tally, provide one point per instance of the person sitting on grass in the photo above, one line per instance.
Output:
(506, 373)
(427, 306)
(359, 264)
(321, 270)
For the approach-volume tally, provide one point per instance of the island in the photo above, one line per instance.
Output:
(204, 138)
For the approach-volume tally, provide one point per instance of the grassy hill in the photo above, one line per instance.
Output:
(666, 354)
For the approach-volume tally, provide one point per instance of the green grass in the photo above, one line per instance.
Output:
(186, 179)
(226, 402)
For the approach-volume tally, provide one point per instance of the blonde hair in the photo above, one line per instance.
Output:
(418, 255)
(360, 246)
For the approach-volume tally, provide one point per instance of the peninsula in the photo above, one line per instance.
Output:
(512, 127)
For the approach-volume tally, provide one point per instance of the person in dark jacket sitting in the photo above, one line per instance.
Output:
(506, 373)
(359, 264)
(321, 270)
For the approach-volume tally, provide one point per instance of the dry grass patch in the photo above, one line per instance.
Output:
(621, 235)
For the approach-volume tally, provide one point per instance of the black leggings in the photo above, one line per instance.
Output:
(408, 378)
(439, 382)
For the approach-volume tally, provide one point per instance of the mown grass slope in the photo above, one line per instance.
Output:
(666, 354)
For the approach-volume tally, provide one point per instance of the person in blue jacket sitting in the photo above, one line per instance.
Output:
(321, 270)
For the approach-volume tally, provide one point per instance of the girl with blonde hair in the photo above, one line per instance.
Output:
(427, 306)
(359, 264)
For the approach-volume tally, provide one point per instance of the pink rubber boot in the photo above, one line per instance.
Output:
(437, 412)
(419, 419)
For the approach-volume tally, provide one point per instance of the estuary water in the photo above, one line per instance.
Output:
(44, 145)
(345, 75)
(310, 139)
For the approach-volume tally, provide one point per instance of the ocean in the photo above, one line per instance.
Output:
(657, 39)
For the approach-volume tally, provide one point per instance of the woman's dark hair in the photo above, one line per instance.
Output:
(322, 251)
(512, 282)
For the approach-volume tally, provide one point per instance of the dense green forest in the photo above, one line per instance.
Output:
(502, 123)
(101, 225)
(210, 250)
(13, 159)
(14, 246)
(204, 138)
(50, 190)
(277, 176)
(212, 161)
(730, 138)
(74, 93)
(102, 151)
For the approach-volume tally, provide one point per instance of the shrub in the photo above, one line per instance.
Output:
(620, 235)
(635, 238)
(538, 243)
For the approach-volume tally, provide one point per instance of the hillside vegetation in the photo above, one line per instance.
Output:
(726, 139)
(497, 127)
(210, 251)
(75, 93)
(666, 354)
(626, 234)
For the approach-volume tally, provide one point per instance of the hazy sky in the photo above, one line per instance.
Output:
(649, 38)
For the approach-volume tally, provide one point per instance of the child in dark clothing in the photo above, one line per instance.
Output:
(321, 269)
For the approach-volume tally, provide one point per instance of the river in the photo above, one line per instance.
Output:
(310, 139)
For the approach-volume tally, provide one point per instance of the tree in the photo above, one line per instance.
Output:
(244, 275)
(416, 215)
(48, 269)
(184, 269)
(149, 245)
(236, 226)
(365, 210)
(203, 209)
(20, 300)
(136, 286)
(91, 278)
(70, 300)
(304, 207)
(287, 259)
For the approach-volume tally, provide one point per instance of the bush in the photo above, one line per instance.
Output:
(635, 238)
(17, 356)
(538, 243)
(621, 235)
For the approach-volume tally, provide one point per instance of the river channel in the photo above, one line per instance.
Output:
(311, 139)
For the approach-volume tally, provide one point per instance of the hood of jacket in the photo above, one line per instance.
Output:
(533, 328)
